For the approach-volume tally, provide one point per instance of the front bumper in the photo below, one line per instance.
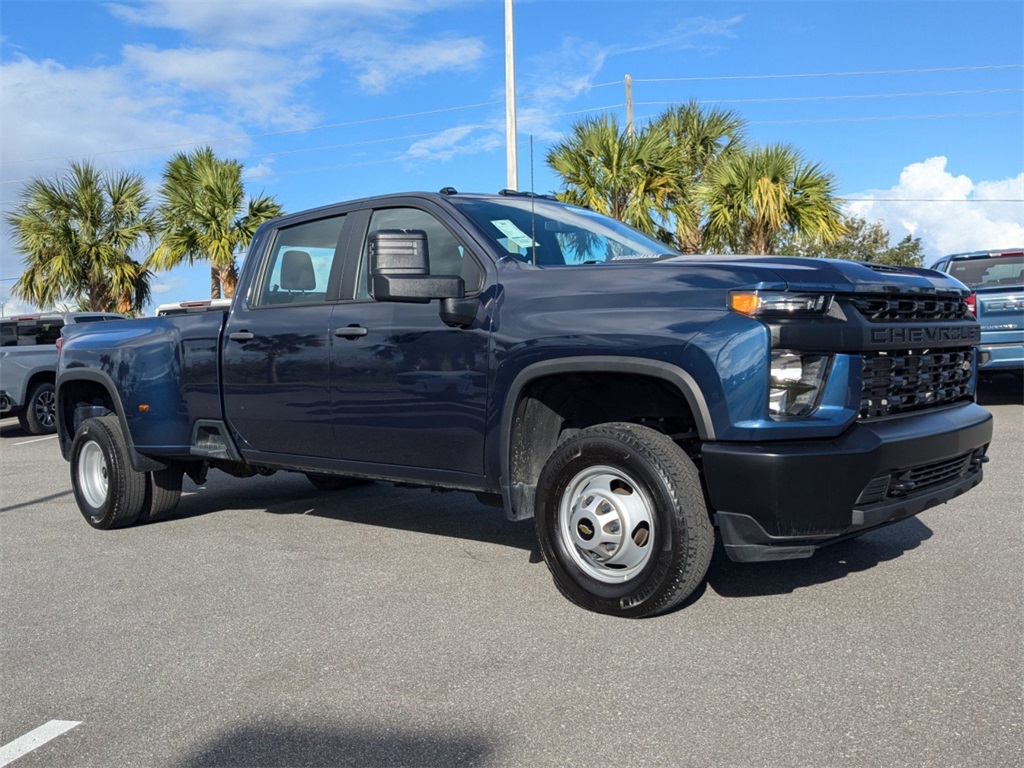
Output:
(784, 500)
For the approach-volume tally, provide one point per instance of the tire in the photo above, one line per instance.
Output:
(110, 494)
(621, 521)
(40, 414)
(333, 482)
(163, 490)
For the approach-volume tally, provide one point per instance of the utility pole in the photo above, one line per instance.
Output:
(629, 106)
(512, 155)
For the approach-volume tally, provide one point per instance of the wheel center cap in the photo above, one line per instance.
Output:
(585, 529)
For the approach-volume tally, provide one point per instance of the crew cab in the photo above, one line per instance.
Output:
(555, 363)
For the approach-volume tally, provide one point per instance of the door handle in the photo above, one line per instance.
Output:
(351, 331)
(241, 336)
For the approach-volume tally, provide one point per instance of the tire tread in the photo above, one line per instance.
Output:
(682, 483)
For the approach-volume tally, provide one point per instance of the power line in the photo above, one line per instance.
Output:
(888, 117)
(265, 135)
(367, 121)
(368, 142)
(824, 74)
(837, 98)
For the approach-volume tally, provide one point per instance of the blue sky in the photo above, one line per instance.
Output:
(907, 103)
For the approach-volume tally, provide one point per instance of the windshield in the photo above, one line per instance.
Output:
(550, 234)
(990, 272)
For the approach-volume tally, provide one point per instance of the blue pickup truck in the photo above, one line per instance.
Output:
(558, 364)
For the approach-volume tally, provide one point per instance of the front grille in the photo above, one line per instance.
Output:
(898, 382)
(908, 308)
(925, 477)
(909, 482)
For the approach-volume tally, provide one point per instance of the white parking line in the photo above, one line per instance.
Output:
(34, 739)
(37, 440)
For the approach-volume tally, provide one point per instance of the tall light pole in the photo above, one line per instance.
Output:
(511, 153)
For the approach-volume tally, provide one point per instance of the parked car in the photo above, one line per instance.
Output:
(28, 363)
(996, 279)
(556, 363)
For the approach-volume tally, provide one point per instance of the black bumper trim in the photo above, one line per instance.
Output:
(801, 495)
(745, 541)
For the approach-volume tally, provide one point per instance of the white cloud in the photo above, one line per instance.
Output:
(963, 223)
(382, 62)
(12, 306)
(697, 33)
(456, 141)
(258, 171)
(283, 40)
(243, 23)
(52, 112)
(164, 284)
(257, 86)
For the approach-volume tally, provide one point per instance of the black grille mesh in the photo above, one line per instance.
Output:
(897, 382)
(908, 482)
(887, 309)
(932, 474)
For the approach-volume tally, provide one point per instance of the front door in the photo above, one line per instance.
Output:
(409, 391)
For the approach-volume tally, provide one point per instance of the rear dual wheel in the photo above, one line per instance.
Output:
(110, 494)
(621, 521)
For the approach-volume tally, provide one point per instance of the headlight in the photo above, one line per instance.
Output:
(796, 383)
(778, 304)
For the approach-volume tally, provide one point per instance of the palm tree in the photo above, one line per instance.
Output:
(202, 218)
(76, 233)
(700, 138)
(622, 176)
(757, 196)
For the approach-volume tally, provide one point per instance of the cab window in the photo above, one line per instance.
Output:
(446, 255)
(298, 269)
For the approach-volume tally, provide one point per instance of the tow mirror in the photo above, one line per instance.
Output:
(400, 269)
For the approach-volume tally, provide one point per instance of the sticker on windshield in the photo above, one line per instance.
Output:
(514, 233)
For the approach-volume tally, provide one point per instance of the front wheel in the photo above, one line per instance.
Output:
(110, 494)
(621, 521)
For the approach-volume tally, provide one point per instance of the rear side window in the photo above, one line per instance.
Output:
(30, 332)
(990, 272)
(300, 263)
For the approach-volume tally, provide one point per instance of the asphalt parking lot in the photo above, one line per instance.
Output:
(269, 624)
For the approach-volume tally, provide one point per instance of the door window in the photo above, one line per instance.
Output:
(301, 260)
(445, 253)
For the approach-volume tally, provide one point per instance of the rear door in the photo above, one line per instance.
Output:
(276, 350)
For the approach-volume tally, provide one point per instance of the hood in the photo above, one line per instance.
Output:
(829, 275)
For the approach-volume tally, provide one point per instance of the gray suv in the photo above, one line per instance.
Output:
(28, 364)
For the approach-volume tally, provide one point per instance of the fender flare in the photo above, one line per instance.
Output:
(658, 369)
(139, 462)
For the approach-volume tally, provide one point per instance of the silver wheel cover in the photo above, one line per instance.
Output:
(606, 522)
(92, 474)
